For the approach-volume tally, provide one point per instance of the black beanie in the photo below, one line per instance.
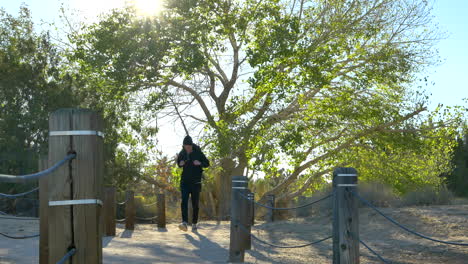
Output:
(188, 140)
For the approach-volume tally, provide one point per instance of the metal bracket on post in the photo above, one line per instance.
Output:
(75, 202)
(76, 133)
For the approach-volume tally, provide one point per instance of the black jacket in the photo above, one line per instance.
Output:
(192, 174)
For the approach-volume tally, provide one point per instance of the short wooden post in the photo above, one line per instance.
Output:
(80, 182)
(130, 210)
(270, 213)
(345, 217)
(43, 215)
(236, 247)
(109, 211)
(161, 203)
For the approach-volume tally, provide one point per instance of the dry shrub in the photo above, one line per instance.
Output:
(428, 195)
(379, 194)
(323, 207)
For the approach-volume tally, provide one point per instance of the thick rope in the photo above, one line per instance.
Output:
(147, 218)
(67, 256)
(34, 176)
(278, 246)
(291, 208)
(6, 216)
(404, 227)
(18, 237)
(6, 195)
(373, 252)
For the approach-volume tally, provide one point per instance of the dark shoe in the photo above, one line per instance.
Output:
(183, 226)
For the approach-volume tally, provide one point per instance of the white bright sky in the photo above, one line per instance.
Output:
(449, 84)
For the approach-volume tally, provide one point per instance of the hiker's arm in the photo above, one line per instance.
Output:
(205, 163)
(180, 160)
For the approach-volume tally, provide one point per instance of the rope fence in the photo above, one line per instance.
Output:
(5, 195)
(66, 125)
(69, 254)
(19, 237)
(147, 218)
(242, 227)
(13, 217)
(346, 241)
(242, 219)
(290, 208)
(373, 252)
(35, 176)
(404, 227)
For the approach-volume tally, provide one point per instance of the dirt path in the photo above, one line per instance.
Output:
(147, 244)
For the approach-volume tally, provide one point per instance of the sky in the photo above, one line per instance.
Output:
(448, 85)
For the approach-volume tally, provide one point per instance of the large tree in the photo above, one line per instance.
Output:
(298, 85)
(32, 85)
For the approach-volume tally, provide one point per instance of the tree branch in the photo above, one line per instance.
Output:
(200, 100)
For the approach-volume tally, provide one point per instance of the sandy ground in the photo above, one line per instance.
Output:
(210, 244)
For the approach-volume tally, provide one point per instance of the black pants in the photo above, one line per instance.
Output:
(194, 191)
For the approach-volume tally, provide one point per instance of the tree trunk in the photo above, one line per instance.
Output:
(229, 169)
(224, 188)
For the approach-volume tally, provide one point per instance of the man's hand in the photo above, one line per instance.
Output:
(181, 163)
(196, 163)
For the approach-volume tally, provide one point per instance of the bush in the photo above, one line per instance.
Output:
(378, 194)
(321, 208)
(428, 195)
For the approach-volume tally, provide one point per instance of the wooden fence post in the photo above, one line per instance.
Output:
(246, 220)
(43, 214)
(75, 191)
(161, 203)
(252, 208)
(109, 211)
(345, 217)
(270, 213)
(236, 244)
(130, 210)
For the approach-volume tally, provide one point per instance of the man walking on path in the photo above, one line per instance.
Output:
(192, 160)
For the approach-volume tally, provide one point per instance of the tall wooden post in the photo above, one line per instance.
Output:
(252, 208)
(270, 213)
(109, 211)
(75, 191)
(345, 217)
(130, 210)
(43, 214)
(161, 203)
(236, 245)
(246, 220)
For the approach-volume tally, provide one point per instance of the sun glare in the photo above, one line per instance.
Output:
(149, 7)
